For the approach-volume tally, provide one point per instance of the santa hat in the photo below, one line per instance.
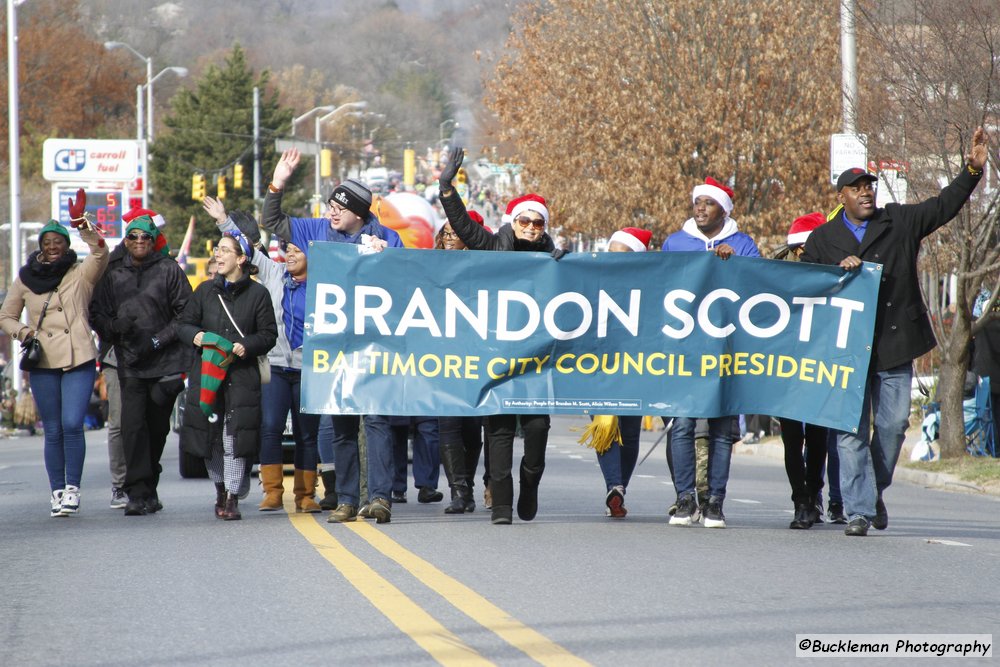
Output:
(530, 202)
(215, 357)
(713, 189)
(803, 226)
(476, 218)
(507, 217)
(635, 238)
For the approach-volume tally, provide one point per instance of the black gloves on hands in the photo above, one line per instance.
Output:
(122, 325)
(558, 253)
(455, 157)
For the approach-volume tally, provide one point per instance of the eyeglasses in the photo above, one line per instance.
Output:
(336, 209)
(537, 223)
(222, 250)
(448, 235)
(133, 236)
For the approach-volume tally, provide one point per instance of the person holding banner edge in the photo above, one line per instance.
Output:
(890, 236)
(526, 232)
(708, 229)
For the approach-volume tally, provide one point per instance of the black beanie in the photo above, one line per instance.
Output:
(354, 196)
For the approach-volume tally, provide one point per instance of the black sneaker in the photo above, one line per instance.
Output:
(857, 527)
(135, 507)
(153, 505)
(713, 516)
(687, 511)
(429, 495)
(836, 513)
(803, 518)
(398, 497)
(881, 521)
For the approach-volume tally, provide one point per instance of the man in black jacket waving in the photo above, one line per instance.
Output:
(889, 236)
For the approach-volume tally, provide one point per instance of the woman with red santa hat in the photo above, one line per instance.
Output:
(526, 232)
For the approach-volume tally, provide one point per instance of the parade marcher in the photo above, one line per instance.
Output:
(461, 438)
(710, 228)
(805, 444)
(222, 407)
(890, 236)
(525, 233)
(286, 284)
(109, 368)
(55, 291)
(136, 307)
(426, 458)
(986, 355)
(618, 445)
(348, 220)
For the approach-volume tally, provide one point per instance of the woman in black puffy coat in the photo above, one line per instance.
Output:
(229, 438)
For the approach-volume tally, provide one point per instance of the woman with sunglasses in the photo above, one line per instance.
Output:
(222, 418)
(526, 232)
(54, 288)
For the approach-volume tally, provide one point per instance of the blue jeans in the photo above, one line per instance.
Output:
(378, 435)
(279, 396)
(345, 456)
(720, 450)
(426, 452)
(619, 461)
(324, 440)
(867, 459)
(62, 398)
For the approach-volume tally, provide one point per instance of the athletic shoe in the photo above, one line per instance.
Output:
(57, 497)
(713, 517)
(881, 521)
(399, 497)
(615, 501)
(118, 498)
(380, 510)
(687, 511)
(344, 512)
(858, 527)
(363, 511)
(70, 500)
(836, 513)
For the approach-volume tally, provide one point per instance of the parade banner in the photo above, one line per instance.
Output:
(436, 332)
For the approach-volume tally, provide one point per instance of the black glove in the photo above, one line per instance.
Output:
(558, 253)
(455, 157)
(122, 325)
(247, 226)
(142, 347)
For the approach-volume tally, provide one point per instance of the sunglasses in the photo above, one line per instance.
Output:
(537, 223)
(133, 236)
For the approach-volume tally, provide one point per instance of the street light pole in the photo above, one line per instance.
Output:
(319, 121)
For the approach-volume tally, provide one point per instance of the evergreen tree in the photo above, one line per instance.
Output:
(210, 130)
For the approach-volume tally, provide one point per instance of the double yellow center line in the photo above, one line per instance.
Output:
(442, 644)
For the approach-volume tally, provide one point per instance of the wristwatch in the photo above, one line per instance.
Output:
(156, 343)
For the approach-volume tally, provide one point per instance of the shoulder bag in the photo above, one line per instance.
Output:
(263, 365)
(31, 349)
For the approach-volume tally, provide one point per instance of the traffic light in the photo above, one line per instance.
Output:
(198, 187)
(462, 177)
(326, 163)
(221, 188)
(238, 176)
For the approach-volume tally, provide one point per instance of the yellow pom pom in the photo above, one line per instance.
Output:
(602, 433)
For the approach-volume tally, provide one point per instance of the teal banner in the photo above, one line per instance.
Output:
(436, 332)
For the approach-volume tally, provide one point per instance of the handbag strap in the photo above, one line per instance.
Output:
(230, 315)
(45, 307)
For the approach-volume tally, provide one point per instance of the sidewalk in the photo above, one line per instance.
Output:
(771, 447)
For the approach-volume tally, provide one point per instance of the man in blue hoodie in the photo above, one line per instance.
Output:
(708, 229)
(348, 220)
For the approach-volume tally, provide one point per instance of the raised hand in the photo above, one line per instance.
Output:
(77, 207)
(285, 167)
(980, 151)
(214, 208)
(455, 157)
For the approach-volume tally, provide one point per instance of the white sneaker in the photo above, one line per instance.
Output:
(70, 500)
(57, 497)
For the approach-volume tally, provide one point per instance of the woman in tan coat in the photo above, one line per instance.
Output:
(63, 380)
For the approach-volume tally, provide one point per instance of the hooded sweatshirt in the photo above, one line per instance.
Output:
(690, 239)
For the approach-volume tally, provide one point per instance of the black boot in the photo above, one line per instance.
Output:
(803, 518)
(232, 509)
(329, 499)
(527, 500)
(220, 500)
(461, 499)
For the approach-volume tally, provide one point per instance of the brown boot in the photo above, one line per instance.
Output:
(272, 479)
(305, 492)
(232, 510)
(220, 501)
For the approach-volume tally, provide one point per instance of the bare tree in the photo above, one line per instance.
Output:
(618, 108)
(931, 79)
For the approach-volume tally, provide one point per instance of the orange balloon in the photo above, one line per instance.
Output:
(414, 232)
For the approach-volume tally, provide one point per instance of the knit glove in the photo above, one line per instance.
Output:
(77, 207)
(455, 157)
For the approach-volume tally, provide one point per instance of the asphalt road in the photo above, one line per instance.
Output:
(571, 587)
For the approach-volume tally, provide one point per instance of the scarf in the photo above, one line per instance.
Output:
(42, 278)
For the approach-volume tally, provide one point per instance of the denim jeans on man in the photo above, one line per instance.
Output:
(618, 463)
(720, 449)
(426, 452)
(278, 397)
(867, 459)
(62, 398)
(380, 456)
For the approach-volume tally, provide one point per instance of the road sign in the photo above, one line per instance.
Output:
(90, 160)
(305, 147)
(846, 152)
